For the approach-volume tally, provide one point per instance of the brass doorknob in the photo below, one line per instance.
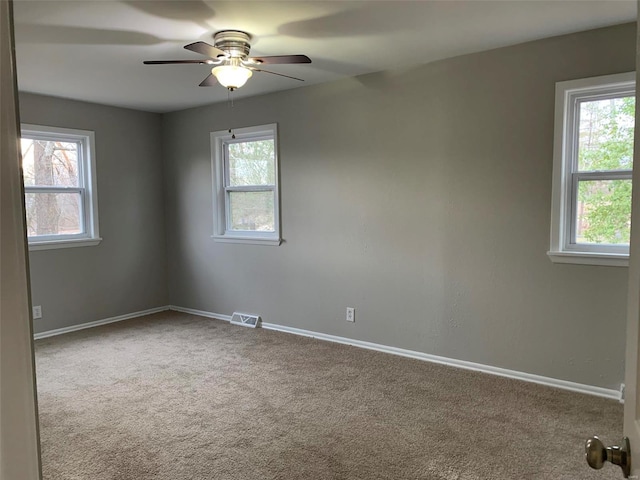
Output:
(597, 454)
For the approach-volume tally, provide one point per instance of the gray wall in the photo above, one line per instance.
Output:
(420, 197)
(127, 271)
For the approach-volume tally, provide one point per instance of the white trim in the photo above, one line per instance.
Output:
(97, 323)
(247, 240)
(219, 170)
(567, 93)
(587, 258)
(88, 189)
(82, 242)
(201, 313)
(452, 362)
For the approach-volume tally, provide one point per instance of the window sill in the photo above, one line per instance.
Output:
(274, 242)
(54, 244)
(588, 258)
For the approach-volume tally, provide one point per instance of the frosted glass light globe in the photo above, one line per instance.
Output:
(231, 76)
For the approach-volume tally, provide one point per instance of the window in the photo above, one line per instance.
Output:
(592, 166)
(58, 166)
(245, 170)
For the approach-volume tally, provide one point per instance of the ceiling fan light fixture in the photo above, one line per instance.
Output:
(230, 55)
(231, 76)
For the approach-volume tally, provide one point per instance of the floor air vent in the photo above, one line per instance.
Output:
(245, 319)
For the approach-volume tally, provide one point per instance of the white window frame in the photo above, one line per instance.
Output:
(565, 176)
(87, 187)
(220, 169)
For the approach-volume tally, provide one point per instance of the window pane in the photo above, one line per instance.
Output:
(50, 163)
(53, 214)
(252, 163)
(604, 212)
(606, 134)
(251, 211)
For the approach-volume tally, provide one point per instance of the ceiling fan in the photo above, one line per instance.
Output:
(230, 56)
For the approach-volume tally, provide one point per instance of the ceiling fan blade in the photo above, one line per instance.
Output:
(274, 73)
(164, 62)
(210, 81)
(205, 49)
(282, 59)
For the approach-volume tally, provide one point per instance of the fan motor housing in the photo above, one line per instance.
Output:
(234, 42)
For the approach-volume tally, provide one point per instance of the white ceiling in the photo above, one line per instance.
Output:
(93, 50)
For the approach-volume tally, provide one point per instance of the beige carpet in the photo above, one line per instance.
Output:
(175, 397)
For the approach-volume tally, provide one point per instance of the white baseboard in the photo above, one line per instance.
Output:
(82, 326)
(202, 313)
(452, 362)
(478, 367)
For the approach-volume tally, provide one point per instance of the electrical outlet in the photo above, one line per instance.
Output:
(351, 314)
(37, 312)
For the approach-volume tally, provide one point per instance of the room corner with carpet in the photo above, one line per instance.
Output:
(177, 396)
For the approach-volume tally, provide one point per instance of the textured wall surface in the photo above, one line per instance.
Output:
(127, 271)
(422, 198)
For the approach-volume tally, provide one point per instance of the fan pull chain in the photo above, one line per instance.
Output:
(230, 103)
(230, 96)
